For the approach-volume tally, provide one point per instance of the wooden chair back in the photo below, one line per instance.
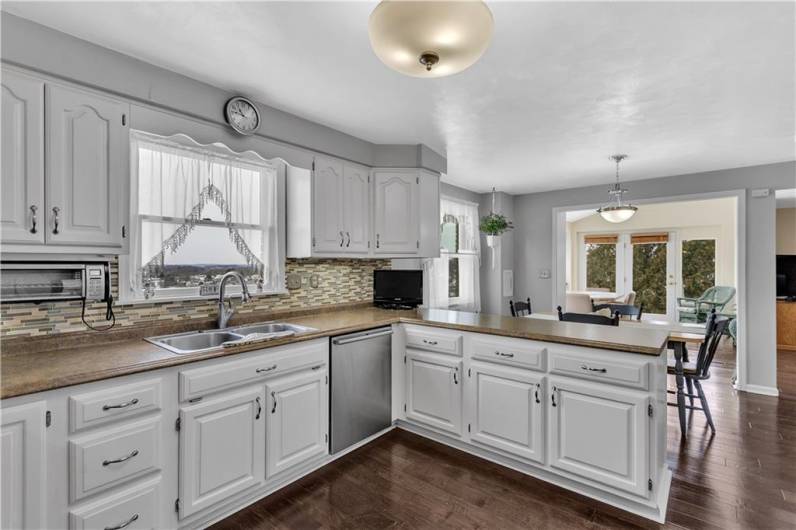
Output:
(623, 310)
(520, 309)
(586, 318)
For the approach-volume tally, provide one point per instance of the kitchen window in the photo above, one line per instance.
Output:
(453, 278)
(199, 211)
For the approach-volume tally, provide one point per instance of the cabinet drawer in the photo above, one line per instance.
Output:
(626, 370)
(434, 340)
(113, 404)
(137, 506)
(199, 382)
(98, 462)
(514, 352)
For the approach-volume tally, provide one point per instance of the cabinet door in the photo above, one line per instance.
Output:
(222, 448)
(356, 209)
(23, 502)
(22, 154)
(297, 420)
(433, 391)
(328, 234)
(396, 216)
(507, 409)
(87, 168)
(600, 433)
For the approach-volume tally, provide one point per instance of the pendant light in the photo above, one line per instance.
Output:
(617, 212)
(430, 38)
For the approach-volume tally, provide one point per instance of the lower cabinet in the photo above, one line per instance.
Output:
(297, 420)
(222, 448)
(600, 433)
(23, 502)
(507, 409)
(434, 390)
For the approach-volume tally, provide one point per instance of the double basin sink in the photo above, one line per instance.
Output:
(201, 341)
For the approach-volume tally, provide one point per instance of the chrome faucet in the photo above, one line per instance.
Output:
(225, 310)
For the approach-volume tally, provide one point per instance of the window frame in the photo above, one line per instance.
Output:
(130, 296)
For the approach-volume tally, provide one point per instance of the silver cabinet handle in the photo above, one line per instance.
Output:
(589, 369)
(348, 239)
(270, 368)
(120, 460)
(501, 354)
(56, 211)
(553, 396)
(124, 405)
(273, 409)
(33, 209)
(125, 524)
(455, 379)
(430, 342)
(259, 408)
(342, 238)
(377, 240)
(536, 393)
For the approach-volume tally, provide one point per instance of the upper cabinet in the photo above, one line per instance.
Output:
(346, 210)
(76, 201)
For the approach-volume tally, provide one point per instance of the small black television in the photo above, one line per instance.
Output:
(398, 288)
(786, 276)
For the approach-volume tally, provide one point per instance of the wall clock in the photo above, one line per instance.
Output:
(242, 115)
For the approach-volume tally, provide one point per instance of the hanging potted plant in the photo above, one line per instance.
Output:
(494, 224)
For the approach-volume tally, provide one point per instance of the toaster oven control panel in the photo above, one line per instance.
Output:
(95, 282)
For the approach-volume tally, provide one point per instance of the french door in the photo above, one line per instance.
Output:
(650, 269)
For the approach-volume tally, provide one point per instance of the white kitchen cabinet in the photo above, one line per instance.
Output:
(396, 205)
(22, 154)
(434, 390)
(87, 166)
(222, 448)
(600, 432)
(327, 218)
(356, 209)
(23, 499)
(297, 419)
(507, 409)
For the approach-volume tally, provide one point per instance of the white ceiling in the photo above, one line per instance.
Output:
(681, 87)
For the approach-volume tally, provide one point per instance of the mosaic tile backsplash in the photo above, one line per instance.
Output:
(340, 281)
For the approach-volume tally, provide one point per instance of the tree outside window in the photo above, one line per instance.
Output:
(699, 266)
(600, 266)
(449, 241)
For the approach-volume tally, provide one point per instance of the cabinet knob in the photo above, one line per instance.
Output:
(56, 211)
(33, 209)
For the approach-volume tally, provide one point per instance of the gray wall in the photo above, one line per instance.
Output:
(533, 244)
(492, 267)
(36, 47)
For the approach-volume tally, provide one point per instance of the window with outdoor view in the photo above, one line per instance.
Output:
(601, 262)
(199, 212)
(698, 266)
(649, 271)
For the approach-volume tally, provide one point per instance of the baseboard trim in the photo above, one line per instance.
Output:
(760, 389)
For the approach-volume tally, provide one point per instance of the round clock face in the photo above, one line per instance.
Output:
(242, 115)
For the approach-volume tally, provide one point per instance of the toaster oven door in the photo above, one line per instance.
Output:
(28, 282)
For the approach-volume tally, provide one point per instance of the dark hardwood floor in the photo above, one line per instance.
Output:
(744, 477)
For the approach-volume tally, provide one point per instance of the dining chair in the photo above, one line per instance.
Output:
(694, 372)
(578, 303)
(520, 309)
(588, 318)
(697, 309)
(623, 310)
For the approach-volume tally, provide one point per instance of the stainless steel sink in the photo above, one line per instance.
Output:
(201, 341)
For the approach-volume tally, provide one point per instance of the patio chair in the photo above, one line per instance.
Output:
(697, 309)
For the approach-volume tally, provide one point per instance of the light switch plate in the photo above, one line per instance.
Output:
(508, 282)
(544, 274)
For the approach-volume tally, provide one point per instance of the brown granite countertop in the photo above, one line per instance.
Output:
(35, 365)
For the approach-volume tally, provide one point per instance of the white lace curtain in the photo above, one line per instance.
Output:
(467, 253)
(182, 185)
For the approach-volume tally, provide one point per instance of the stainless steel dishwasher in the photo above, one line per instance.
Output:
(361, 381)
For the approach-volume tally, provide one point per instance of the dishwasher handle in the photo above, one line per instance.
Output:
(341, 341)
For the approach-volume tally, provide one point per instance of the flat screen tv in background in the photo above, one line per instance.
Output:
(398, 289)
(786, 276)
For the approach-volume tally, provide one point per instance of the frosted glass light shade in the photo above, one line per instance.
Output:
(617, 214)
(458, 33)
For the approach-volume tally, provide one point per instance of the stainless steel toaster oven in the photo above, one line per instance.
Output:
(53, 281)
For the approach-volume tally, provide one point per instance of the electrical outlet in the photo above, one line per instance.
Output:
(315, 281)
(544, 274)
(294, 281)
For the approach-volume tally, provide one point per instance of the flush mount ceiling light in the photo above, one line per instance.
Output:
(616, 212)
(429, 38)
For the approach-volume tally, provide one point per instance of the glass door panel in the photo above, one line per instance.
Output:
(698, 266)
(650, 276)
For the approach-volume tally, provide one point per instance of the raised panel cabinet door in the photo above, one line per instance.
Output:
(23, 502)
(328, 234)
(297, 420)
(87, 168)
(356, 209)
(396, 212)
(600, 433)
(434, 391)
(22, 155)
(507, 410)
(222, 448)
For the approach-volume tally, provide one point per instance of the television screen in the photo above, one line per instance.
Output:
(400, 287)
(786, 275)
